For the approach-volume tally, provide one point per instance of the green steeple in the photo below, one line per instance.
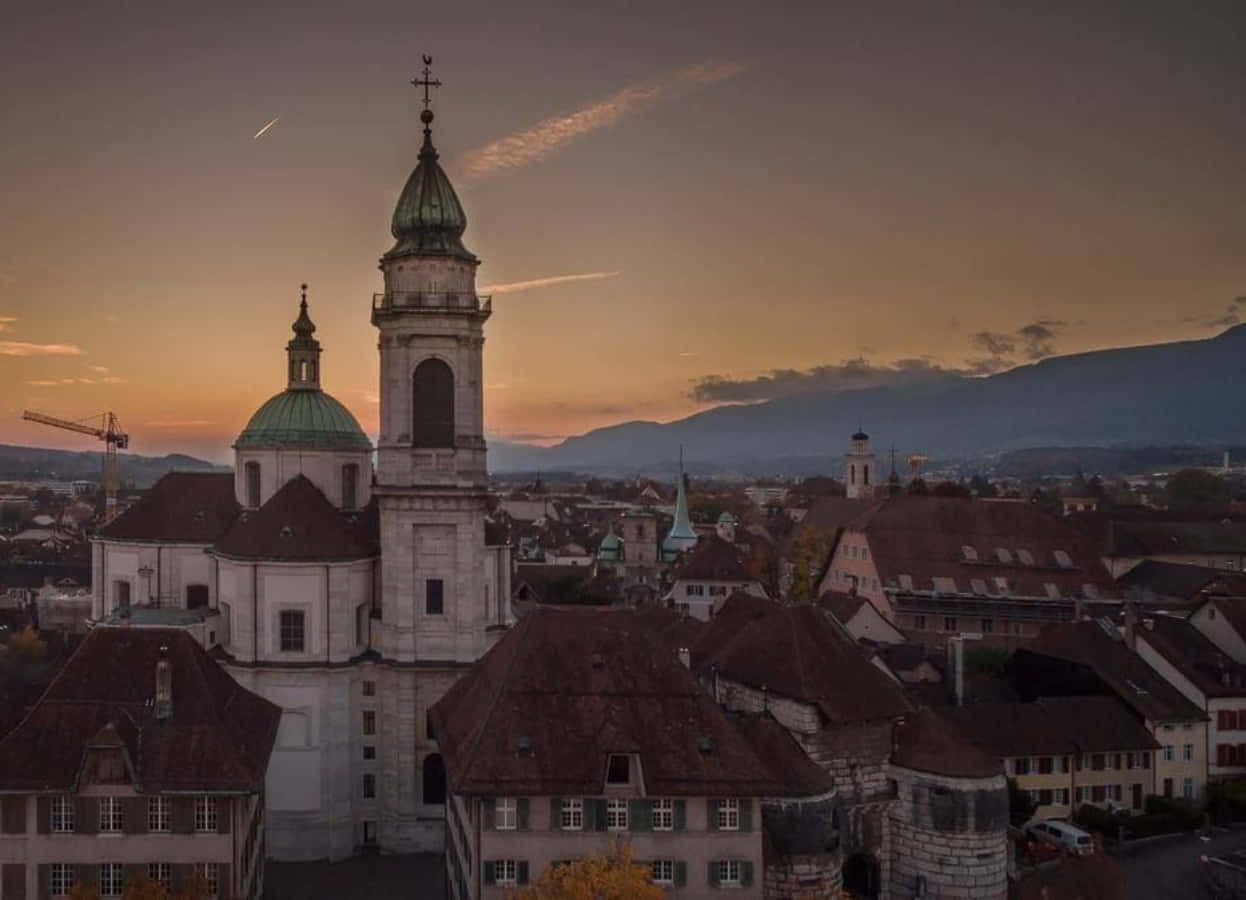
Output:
(682, 535)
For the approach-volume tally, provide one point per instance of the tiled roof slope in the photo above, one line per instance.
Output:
(712, 559)
(798, 652)
(927, 742)
(1213, 671)
(1052, 726)
(1123, 671)
(1166, 538)
(842, 606)
(1173, 580)
(775, 746)
(541, 712)
(925, 537)
(298, 523)
(191, 507)
(218, 738)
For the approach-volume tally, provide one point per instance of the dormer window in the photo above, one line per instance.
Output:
(619, 771)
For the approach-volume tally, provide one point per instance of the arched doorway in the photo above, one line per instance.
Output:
(434, 779)
(861, 876)
(432, 405)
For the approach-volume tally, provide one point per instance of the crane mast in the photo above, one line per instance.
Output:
(109, 431)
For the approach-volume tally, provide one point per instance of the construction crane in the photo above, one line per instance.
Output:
(109, 431)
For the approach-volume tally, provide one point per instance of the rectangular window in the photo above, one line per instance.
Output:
(729, 815)
(211, 877)
(616, 815)
(1098, 793)
(61, 879)
(1187, 752)
(369, 688)
(506, 871)
(369, 786)
(919, 622)
(62, 815)
(121, 594)
(1064, 764)
(350, 481)
(158, 814)
(369, 751)
(1168, 754)
(205, 814)
(571, 817)
(291, 630)
(620, 769)
(1098, 762)
(663, 871)
(1131, 761)
(110, 815)
(1081, 794)
(949, 623)
(1045, 765)
(505, 813)
(1044, 796)
(1187, 788)
(434, 596)
(1116, 762)
(112, 879)
(1167, 787)
(161, 873)
(728, 872)
(1062, 796)
(1021, 765)
(369, 721)
(664, 815)
(988, 626)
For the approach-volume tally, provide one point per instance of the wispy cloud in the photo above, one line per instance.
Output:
(260, 133)
(531, 145)
(689, 354)
(21, 348)
(513, 286)
(371, 397)
(178, 423)
(103, 370)
(58, 382)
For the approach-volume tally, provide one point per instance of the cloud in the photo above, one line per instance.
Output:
(178, 423)
(58, 382)
(21, 348)
(1224, 321)
(103, 370)
(6, 321)
(513, 286)
(531, 145)
(689, 353)
(851, 374)
(994, 342)
(498, 386)
(112, 318)
(44, 382)
(1039, 337)
(371, 397)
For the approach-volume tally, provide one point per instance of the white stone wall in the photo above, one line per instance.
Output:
(322, 467)
(174, 567)
(1210, 620)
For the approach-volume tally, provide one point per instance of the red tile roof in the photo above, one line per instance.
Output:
(927, 742)
(218, 738)
(541, 712)
(298, 523)
(712, 559)
(1052, 726)
(775, 746)
(1211, 670)
(190, 507)
(798, 652)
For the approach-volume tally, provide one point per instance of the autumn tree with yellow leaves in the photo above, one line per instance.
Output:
(614, 875)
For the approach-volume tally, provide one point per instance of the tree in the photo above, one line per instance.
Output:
(983, 488)
(1193, 487)
(614, 875)
(809, 551)
(140, 887)
(918, 487)
(81, 892)
(1021, 805)
(28, 645)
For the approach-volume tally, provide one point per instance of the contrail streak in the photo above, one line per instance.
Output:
(514, 286)
(265, 128)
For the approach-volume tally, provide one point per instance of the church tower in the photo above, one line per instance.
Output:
(860, 469)
(431, 484)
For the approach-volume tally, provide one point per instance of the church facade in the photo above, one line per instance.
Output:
(350, 595)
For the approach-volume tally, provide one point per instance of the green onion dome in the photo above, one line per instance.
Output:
(308, 419)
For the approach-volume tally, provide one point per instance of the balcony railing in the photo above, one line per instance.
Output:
(451, 301)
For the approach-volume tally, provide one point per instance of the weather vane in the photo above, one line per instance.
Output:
(426, 82)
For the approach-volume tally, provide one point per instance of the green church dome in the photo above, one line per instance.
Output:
(429, 220)
(303, 418)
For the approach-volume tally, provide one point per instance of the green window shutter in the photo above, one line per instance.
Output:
(711, 814)
(681, 815)
(488, 867)
(487, 809)
(681, 873)
(711, 876)
(599, 814)
(641, 815)
(746, 814)
(746, 874)
(521, 813)
(555, 813)
(522, 871)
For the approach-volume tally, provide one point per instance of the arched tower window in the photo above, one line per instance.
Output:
(866, 473)
(253, 484)
(434, 779)
(852, 474)
(432, 405)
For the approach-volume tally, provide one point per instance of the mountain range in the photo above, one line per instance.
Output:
(41, 464)
(1189, 392)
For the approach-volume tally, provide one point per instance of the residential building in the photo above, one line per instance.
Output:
(709, 573)
(142, 757)
(1223, 620)
(1175, 586)
(1217, 544)
(860, 618)
(1066, 751)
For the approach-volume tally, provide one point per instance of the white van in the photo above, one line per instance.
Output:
(1070, 837)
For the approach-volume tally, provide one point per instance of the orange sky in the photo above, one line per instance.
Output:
(765, 191)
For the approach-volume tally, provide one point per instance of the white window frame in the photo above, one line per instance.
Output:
(111, 879)
(729, 814)
(1187, 788)
(302, 630)
(211, 874)
(662, 871)
(61, 879)
(506, 872)
(571, 816)
(112, 815)
(207, 819)
(616, 814)
(1168, 753)
(159, 815)
(729, 872)
(61, 820)
(663, 814)
(506, 814)
(160, 872)
(1187, 752)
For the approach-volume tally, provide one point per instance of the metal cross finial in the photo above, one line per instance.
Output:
(426, 82)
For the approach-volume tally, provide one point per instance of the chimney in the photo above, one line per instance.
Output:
(164, 684)
(685, 657)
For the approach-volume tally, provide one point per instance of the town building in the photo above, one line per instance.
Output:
(1066, 751)
(1217, 544)
(1223, 620)
(707, 575)
(142, 757)
(860, 618)
(1174, 586)
(860, 468)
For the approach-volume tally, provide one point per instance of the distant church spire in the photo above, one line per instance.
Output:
(682, 535)
(303, 351)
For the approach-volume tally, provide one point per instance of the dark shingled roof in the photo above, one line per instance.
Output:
(1052, 726)
(299, 523)
(1123, 671)
(674, 630)
(191, 507)
(798, 652)
(778, 750)
(842, 606)
(219, 737)
(1213, 671)
(927, 742)
(1165, 580)
(712, 559)
(578, 685)
(1167, 538)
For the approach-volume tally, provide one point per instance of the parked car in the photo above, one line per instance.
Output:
(1069, 837)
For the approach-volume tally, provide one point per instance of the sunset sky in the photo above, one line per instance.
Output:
(671, 200)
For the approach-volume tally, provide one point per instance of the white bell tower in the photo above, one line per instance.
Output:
(860, 468)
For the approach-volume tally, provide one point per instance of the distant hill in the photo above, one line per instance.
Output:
(1188, 392)
(41, 464)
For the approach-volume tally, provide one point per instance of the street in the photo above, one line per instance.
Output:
(1173, 871)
